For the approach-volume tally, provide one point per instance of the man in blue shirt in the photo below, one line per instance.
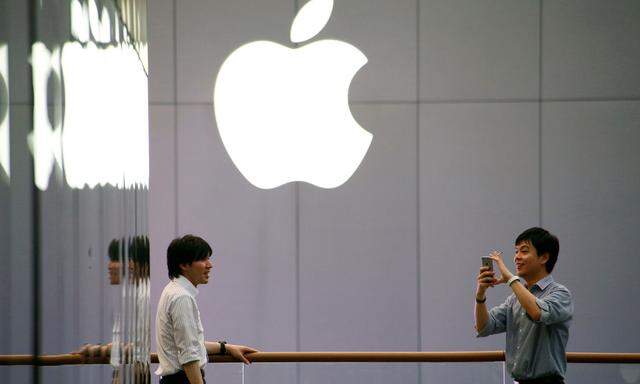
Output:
(536, 317)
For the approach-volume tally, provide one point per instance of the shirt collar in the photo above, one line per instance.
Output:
(186, 284)
(544, 283)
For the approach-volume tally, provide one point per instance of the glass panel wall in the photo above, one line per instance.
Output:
(73, 188)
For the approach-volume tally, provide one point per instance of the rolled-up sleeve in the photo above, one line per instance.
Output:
(497, 322)
(183, 313)
(556, 307)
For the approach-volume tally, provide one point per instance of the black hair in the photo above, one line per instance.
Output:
(139, 250)
(114, 250)
(544, 242)
(186, 250)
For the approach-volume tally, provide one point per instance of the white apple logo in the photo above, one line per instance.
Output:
(283, 114)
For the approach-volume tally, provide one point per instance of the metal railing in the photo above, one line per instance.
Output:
(337, 357)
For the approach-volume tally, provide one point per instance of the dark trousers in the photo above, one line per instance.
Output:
(544, 380)
(179, 378)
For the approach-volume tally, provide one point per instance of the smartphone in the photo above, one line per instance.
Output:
(487, 262)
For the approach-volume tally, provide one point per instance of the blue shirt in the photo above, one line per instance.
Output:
(534, 348)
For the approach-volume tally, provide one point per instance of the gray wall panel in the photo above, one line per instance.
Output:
(162, 221)
(252, 236)
(359, 373)
(91, 277)
(5, 259)
(590, 198)
(358, 251)
(476, 167)
(208, 31)
(591, 49)
(472, 49)
(56, 254)
(385, 32)
(478, 189)
(18, 34)
(161, 51)
(112, 228)
(21, 303)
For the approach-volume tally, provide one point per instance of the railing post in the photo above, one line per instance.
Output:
(504, 372)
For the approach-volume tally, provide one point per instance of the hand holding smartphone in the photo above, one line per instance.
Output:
(487, 262)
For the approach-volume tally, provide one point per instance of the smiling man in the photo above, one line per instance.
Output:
(182, 350)
(536, 317)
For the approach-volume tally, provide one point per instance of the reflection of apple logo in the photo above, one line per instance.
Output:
(283, 114)
(45, 139)
(4, 111)
(4, 96)
(83, 121)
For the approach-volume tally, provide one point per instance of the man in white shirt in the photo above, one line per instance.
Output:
(182, 350)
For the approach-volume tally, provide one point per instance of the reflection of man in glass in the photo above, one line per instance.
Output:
(115, 272)
(137, 350)
(102, 351)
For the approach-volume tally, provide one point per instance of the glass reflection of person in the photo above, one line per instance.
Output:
(182, 350)
(536, 317)
(115, 273)
(139, 312)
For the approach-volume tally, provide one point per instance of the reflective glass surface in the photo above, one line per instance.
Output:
(73, 189)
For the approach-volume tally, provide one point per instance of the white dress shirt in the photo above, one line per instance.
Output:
(114, 358)
(179, 332)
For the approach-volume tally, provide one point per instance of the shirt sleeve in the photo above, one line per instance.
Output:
(556, 307)
(497, 322)
(185, 329)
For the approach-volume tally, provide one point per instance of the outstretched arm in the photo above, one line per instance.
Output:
(237, 351)
(94, 350)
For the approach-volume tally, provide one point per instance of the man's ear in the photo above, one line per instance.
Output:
(544, 258)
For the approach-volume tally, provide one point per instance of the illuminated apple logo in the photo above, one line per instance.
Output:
(283, 114)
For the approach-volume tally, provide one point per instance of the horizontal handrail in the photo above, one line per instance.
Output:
(371, 357)
(339, 357)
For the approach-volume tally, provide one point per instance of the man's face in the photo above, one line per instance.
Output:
(198, 271)
(114, 272)
(527, 261)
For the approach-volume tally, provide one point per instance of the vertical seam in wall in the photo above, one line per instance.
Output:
(418, 221)
(35, 217)
(76, 262)
(135, 211)
(297, 241)
(540, 73)
(101, 270)
(296, 7)
(175, 119)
